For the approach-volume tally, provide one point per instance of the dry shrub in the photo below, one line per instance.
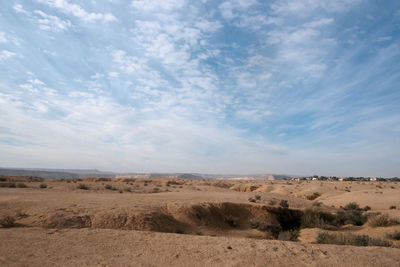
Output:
(351, 239)
(392, 207)
(320, 219)
(394, 235)
(21, 185)
(352, 214)
(382, 221)
(9, 185)
(109, 187)
(83, 187)
(284, 204)
(272, 202)
(43, 186)
(291, 235)
(7, 221)
(313, 196)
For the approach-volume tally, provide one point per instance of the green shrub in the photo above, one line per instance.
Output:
(43, 186)
(83, 187)
(352, 214)
(351, 239)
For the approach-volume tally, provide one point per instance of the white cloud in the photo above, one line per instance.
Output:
(78, 11)
(19, 9)
(113, 74)
(151, 5)
(5, 54)
(51, 23)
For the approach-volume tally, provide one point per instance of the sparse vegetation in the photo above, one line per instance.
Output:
(284, 204)
(110, 187)
(351, 239)
(382, 220)
(352, 214)
(9, 185)
(313, 196)
(251, 199)
(43, 186)
(291, 235)
(272, 202)
(394, 235)
(7, 221)
(83, 187)
(320, 219)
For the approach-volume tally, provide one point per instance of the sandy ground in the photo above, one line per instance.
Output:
(183, 223)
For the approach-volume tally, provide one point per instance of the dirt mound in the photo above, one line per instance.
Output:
(220, 215)
(210, 218)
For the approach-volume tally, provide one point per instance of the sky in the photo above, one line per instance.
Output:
(231, 87)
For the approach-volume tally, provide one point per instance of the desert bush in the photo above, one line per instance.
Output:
(291, 235)
(392, 207)
(351, 239)
(109, 187)
(352, 214)
(83, 187)
(382, 221)
(366, 208)
(9, 185)
(127, 189)
(284, 204)
(251, 199)
(7, 221)
(257, 197)
(272, 202)
(21, 185)
(232, 221)
(320, 219)
(317, 204)
(43, 186)
(274, 229)
(394, 235)
(313, 196)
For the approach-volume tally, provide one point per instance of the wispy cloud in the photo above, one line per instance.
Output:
(77, 11)
(234, 86)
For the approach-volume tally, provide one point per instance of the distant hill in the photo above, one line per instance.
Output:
(55, 173)
(80, 173)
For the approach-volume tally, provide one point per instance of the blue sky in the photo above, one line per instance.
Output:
(245, 86)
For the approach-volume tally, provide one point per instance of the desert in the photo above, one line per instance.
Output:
(197, 222)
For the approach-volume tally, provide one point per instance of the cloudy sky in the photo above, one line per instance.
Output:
(241, 86)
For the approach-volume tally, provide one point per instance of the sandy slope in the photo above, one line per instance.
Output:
(94, 247)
